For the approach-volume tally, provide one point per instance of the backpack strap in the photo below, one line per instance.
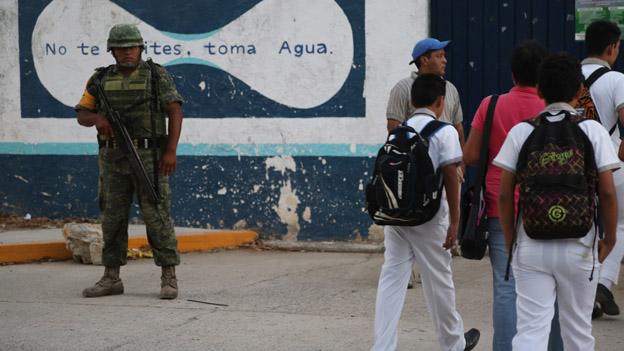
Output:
(592, 79)
(595, 75)
(431, 128)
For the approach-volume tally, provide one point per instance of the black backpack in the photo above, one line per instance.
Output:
(558, 178)
(405, 189)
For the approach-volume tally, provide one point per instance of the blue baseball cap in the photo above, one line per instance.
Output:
(426, 45)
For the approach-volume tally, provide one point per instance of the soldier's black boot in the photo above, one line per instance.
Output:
(169, 283)
(110, 284)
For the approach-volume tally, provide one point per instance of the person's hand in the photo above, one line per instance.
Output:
(604, 248)
(168, 163)
(451, 236)
(460, 173)
(103, 126)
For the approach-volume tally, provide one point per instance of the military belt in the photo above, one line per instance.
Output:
(140, 143)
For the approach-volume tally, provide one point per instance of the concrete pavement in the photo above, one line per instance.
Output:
(276, 301)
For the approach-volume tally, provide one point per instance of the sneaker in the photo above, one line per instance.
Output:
(472, 338)
(605, 298)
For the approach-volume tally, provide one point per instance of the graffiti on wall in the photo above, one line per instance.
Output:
(262, 58)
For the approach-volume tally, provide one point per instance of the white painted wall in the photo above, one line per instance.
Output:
(392, 28)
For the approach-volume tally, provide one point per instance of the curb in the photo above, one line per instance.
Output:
(322, 246)
(187, 242)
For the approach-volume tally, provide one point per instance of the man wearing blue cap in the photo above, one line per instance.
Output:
(429, 57)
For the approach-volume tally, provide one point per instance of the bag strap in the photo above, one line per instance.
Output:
(514, 239)
(591, 80)
(431, 128)
(595, 75)
(487, 131)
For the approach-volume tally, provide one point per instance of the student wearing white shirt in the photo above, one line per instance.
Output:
(602, 41)
(426, 245)
(560, 269)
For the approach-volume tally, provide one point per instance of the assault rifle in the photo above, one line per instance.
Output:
(122, 137)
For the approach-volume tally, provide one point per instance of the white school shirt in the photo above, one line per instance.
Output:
(608, 96)
(604, 153)
(444, 147)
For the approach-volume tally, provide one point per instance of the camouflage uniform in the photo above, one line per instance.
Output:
(132, 97)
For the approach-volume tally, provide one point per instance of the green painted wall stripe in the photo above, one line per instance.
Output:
(347, 150)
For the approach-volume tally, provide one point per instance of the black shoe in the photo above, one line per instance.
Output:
(597, 312)
(605, 298)
(472, 338)
(412, 280)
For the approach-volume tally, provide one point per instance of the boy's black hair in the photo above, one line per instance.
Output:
(525, 61)
(560, 78)
(599, 35)
(426, 89)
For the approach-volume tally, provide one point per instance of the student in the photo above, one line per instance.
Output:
(520, 103)
(426, 245)
(560, 269)
(602, 41)
(429, 57)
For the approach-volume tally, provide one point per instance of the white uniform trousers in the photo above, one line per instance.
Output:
(421, 245)
(610, 270)
(549, 270)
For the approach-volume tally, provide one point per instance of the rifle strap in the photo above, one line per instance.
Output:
(154, 108)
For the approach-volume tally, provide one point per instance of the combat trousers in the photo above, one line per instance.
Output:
(117, 187)
(421, 245)
(548, 270)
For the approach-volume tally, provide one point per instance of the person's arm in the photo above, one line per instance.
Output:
(398, 107)
(506, 212)
(392, 123)
(87, 113)
(460, 130)
(87, 118)
(621, 149)
(451, 184)
(608, 210)
(168, 160)
(472, 149)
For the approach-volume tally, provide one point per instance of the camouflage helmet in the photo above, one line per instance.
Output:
(124, 36)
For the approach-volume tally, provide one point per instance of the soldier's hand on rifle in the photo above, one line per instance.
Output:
(103, 126)
(168, 163)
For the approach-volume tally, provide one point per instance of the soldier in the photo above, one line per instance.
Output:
(143, 93)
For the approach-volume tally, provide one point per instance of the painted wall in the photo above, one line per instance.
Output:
(285, 105)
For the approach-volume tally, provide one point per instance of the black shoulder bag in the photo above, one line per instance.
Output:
(473, 224)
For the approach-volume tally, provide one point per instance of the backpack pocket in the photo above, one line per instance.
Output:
(557, 211)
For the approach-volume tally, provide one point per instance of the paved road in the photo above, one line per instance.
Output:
(276, 301)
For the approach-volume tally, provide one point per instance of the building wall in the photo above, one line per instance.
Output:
(284, 105)
(484, 34)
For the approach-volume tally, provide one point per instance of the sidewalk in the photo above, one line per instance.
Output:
(276, 300)
(28, 245)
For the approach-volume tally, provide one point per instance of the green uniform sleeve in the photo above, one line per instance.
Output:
(88, 100)
(168, 91)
